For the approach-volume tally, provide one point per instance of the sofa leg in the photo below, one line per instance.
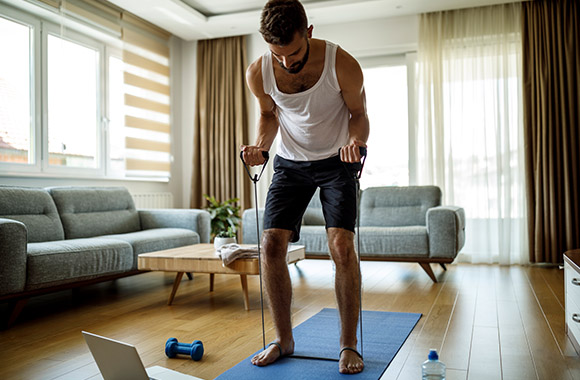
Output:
(16, 309)
(189, 275)
(427, 268)
(443, 266)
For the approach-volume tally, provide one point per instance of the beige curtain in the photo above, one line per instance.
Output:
(221, 122)
(470, 128)
(551, 68)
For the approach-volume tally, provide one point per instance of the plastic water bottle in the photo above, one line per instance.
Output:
(433, 369)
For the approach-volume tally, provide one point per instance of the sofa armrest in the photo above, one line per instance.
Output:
(13, 240)
(446, 229)
(191, 219)
(249, 225)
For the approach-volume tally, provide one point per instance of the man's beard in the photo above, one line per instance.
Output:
(298, 66)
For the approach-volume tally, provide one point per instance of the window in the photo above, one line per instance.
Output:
(72, 103)
(387, 94)
(84, 93)
(16, 101)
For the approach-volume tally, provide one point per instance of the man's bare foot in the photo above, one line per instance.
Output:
(350, 361)
(273, 353)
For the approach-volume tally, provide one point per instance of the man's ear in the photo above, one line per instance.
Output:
(309, 31)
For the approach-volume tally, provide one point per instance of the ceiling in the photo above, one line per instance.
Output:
(203, 19)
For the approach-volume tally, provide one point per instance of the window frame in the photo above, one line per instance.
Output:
(116, 52)
(35, 128)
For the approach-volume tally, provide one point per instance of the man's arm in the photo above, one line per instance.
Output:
(350, 79)
(268, 120)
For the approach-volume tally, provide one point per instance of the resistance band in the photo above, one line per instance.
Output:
(255, 179)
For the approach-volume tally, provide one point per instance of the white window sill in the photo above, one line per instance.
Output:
(33, 175)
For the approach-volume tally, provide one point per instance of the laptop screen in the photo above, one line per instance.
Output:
(116, 360)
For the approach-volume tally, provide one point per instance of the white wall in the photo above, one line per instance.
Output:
(386, 36)
(187, 99)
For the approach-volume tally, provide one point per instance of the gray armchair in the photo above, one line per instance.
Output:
(396, 224)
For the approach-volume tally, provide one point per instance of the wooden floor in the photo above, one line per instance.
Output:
(488, 322)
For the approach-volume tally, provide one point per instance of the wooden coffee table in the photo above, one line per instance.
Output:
(201, 258)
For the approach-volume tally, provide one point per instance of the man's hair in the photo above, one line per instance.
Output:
(280, 21)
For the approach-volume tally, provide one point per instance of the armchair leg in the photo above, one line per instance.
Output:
(189, 275)
(443, 266)
(427, 268)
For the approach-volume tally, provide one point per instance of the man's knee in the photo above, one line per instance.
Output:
(275, 243)
(341, 244)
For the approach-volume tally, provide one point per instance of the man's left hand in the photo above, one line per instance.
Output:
(351, 152)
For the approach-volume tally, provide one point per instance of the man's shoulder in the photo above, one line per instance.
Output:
(343, 58)
(254, 70)
(256, 65)
(348, 70)
(254, 77)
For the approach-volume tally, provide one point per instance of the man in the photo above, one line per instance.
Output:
(311, 91)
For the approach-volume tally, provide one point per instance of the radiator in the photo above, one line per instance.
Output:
(153, 200)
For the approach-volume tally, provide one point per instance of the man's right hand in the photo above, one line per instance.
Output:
(253, 155)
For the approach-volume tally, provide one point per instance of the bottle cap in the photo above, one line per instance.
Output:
(433, 354)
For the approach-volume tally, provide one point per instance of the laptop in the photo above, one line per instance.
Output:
(120, 361)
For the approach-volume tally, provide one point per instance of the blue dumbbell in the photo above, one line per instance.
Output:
(173, 347)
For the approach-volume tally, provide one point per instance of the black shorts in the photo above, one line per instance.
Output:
(294, 184)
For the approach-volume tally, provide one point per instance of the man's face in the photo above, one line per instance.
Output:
(293, 56)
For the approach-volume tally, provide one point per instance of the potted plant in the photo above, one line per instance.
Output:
(225, 219)
(224, 237)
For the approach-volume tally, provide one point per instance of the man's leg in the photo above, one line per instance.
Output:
(347, 288)
(278, 293)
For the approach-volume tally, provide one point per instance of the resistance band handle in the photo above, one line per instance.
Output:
(265, 154)
(363, 152)
(256, 177)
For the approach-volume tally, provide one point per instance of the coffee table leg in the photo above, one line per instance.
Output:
(211, 278)
(244, 279)
(175, 286)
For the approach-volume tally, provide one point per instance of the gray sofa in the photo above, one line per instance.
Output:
(64, 237)
(396, 224)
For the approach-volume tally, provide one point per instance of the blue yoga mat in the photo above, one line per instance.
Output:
(383, 335)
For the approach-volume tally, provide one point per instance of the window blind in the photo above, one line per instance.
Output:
(147, 100)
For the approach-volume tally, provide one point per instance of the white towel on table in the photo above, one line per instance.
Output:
(230, 252)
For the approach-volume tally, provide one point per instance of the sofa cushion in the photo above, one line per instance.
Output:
(190, 219)
(156, 239)
(314, 239)
(411, 241)
(65, 261)
(397, 206)
(313, 214)
(378, 242)
(95, 211)
(35, 208)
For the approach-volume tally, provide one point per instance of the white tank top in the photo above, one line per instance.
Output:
(313, 123)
